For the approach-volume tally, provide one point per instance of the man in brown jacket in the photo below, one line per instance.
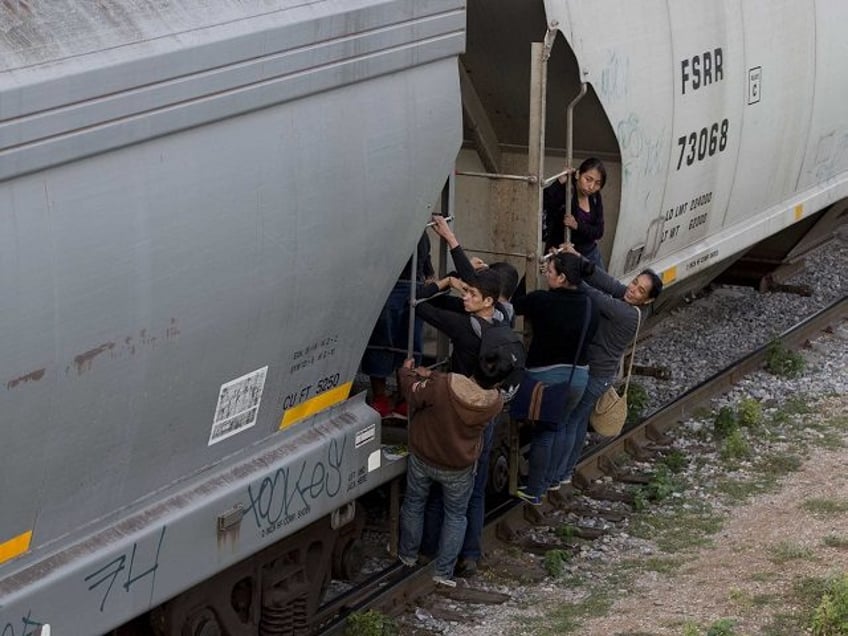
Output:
(450, 412)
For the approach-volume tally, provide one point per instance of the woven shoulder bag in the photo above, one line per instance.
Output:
(610, 412)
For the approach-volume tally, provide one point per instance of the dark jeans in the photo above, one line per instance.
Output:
(456, 489)
(549, 442)
(578, 424)
(392, 332)
(475, 514)
(594, 255)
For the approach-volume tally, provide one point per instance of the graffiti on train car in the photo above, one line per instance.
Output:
(27, 626)
(132, 563)
(287, 494)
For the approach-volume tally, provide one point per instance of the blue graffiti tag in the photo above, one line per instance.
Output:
(287, 493)
(26, 624)
(109, 572)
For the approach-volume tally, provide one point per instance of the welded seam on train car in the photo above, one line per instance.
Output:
(13, 160)
(412, 26)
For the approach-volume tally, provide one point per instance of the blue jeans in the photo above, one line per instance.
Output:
(391, 331)
(475, 514)
(594, 255)
(578, 424)
(456, 490)
(549, 442)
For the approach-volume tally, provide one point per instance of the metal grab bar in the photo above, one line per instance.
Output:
(569, 151)
(529, 178)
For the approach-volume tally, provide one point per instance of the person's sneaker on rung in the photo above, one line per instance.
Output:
(533, 500)
(565, 482)
(443, 580)
(408, 561)
(400, 410)
(554, 487)
(382, 405)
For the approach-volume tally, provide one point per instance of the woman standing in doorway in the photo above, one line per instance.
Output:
(585, 219)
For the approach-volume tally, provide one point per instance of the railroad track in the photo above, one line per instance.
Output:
(397, 587)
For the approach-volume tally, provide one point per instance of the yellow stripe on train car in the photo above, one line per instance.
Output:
(314, 405)
(15, 546)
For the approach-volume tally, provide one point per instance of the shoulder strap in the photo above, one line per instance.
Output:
(586, 320)
(476, 326)
(633, 350)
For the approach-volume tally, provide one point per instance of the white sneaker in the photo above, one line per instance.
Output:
(408, 561)
(442, 580)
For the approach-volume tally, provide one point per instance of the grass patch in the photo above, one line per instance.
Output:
(662, 485)
(637, 400)
(777, 465)
(782, 361)
(830, 440)
(765, 476)
(554, 562)
(830, 617)
(749, 413)
(788, 551)
(677, 528)
(825, 507)
(734, 447)
(804, 596)
(738, 491)
(676, 461)
(724, 423)
(567, 618)
(370, 623)
(836, 541)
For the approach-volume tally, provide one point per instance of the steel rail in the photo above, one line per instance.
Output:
(399, 586)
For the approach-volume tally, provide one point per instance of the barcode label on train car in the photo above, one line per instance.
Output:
(238, 405)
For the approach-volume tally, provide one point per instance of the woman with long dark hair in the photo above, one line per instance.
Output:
(563, 321)
(585, 218)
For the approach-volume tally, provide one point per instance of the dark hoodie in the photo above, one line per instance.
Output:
(450, 412)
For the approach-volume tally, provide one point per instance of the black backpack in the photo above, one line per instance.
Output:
(500, 343)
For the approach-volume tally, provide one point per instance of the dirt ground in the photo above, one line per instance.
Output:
(740, 578)
(766, 547)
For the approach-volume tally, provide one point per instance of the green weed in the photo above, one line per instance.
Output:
(676, 461)
(725, 422)
(782, 361)
(554, 562)
(825, 506)
(637, 400)
(836, 541)
(831, 616)
(370, 623)
(749, 413)
(722, 627)
(788, 551)
(735, 446)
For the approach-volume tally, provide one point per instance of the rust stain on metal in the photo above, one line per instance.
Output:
(33, 376)
(18, 6)
(83, 361)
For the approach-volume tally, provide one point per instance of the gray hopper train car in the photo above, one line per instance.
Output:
(202, 207)
(204, 203)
